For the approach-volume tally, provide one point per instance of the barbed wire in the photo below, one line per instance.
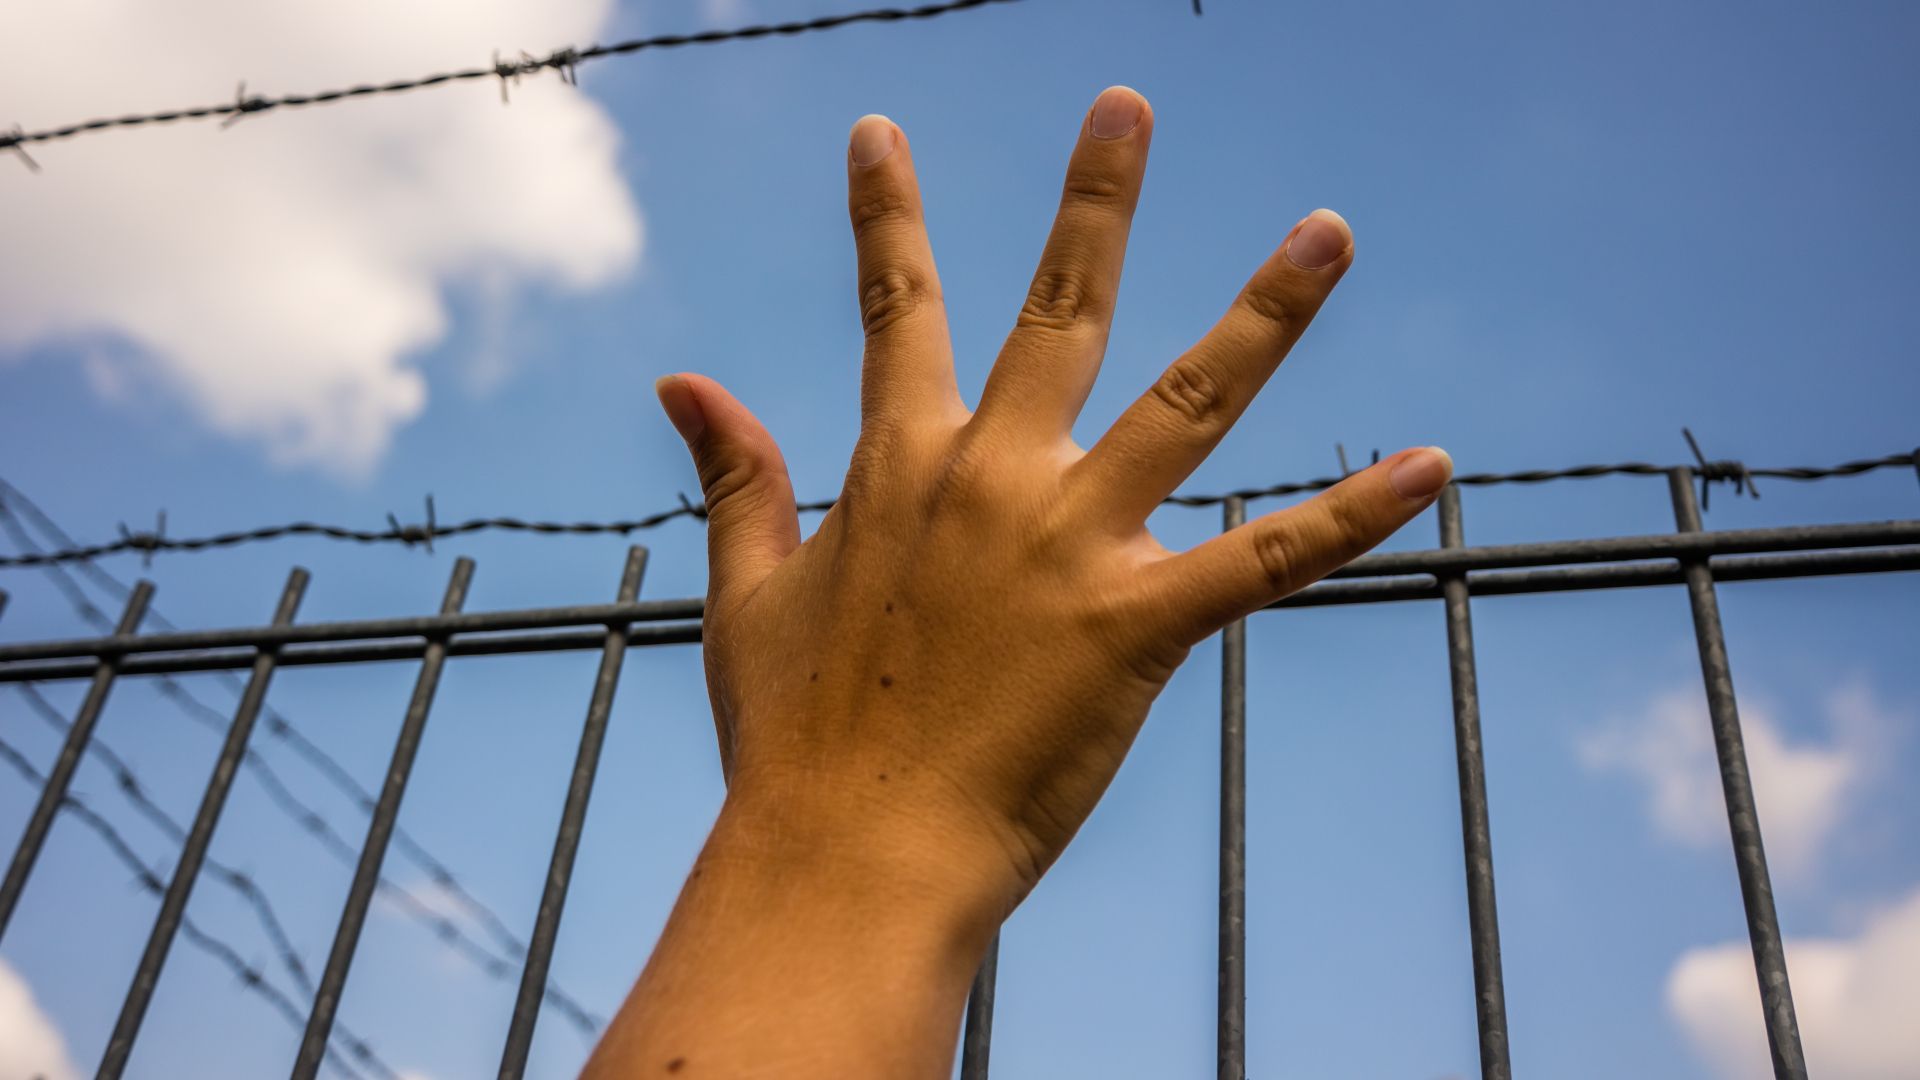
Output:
(304, 815)
(240, 882)
(1709, 471)
(564, 61)
(250, 976)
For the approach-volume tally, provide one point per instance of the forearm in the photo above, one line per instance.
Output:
(802, 948)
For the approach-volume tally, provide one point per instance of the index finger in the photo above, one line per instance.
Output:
(1170, 430)
(908, 369)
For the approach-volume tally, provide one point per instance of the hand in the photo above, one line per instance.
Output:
(931, 693)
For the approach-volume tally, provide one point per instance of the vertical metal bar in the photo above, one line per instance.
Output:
(54, 793)
(193, 852)
(333, 981)
(976, 1043)
(1743, 819)
(1232, 1040)
(573, 817)
(1483, 918)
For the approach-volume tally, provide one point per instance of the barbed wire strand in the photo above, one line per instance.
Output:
(278, 724)
(240, 882)
(1709, 471)
(250, 976)
(563, 61)
(249, 890)
(312, 822)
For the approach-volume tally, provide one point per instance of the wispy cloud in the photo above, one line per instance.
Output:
(275, 278)
(1855, 996)
(1803, 787)
(30, 1046)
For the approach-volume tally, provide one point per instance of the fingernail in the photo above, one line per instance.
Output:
(1421, 473)
(1116, 112)
(872, 140)
(682, 408)
(1318, 241)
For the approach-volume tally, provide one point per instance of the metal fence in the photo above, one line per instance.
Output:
(1452, 573)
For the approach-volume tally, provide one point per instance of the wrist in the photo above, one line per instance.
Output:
(811, 940)
(870, 863)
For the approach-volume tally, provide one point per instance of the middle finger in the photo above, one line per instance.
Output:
(1049, 362)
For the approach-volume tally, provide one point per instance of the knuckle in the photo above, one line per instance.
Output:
(1275, 305)
(887, 296)
(1351, 528)
(1059, 300)
(1192, 392)
(879, 209)
(1097, 190)
(1277, 552)
(729, 482)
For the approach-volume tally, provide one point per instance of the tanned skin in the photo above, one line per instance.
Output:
(919, 706)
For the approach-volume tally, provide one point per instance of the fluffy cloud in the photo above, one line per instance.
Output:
(1802, 788)
(30, 1046)
(1855, 998)
(276, 276)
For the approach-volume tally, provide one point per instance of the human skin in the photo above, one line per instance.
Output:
(919, 705)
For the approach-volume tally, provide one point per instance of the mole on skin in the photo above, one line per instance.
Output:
(675, 1064)
(889, 607)
(886, 681)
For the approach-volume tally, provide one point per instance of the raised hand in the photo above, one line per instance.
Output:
(919, 705)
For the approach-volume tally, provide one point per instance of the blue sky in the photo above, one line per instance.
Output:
(1578, 228)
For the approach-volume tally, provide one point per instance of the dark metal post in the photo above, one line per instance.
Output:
(333, 981)
(573, 818)
(1749, 856)
(1232, 1041)
(194, 852)
(976, 1042)
(54, 793)
(1483, 918)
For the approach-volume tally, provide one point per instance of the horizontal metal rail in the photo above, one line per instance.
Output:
(359, 653)
(1452, 573)
(1808, 540)
(1328, 593)
(365, 629)
(1616, 576)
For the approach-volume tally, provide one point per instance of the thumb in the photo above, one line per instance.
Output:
(751, 522)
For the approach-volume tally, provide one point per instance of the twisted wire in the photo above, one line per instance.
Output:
(135, 792)
(1709, 471)
(303, 815)
(251, 977)
(563, 61)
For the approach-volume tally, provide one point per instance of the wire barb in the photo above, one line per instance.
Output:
(416, 534)
(1712, 472)
(507, 73)
(1735, 472)
(242, 105)
(565, 62)
(562, 60)
(11, 140)
(146, 543)
(310, 821)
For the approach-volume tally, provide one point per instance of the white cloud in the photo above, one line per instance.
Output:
(30, 1046)
(1802, 789)
(1856, 998)
(276, 276)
